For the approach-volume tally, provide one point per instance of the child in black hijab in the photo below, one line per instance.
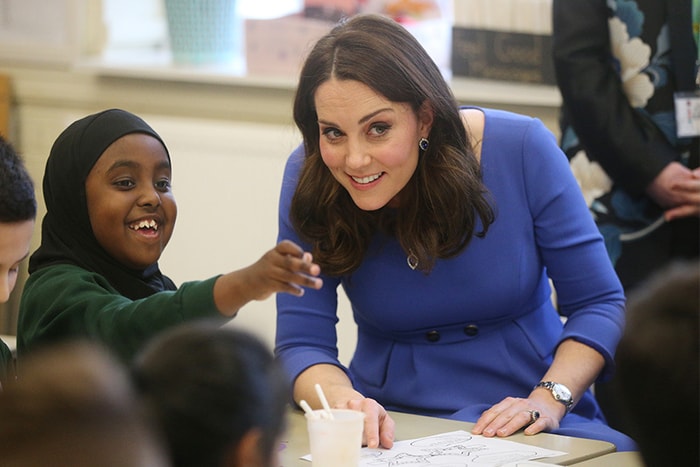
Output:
(110, 214)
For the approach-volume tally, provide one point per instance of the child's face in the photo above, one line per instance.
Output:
(15, 238)
(131, 206)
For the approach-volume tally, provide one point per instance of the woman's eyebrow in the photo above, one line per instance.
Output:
(371, 115)
(363, 119)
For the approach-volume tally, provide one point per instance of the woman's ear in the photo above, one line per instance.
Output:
(247, 452)
(426, 115)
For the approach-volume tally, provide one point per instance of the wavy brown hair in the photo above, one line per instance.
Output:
(445, 202)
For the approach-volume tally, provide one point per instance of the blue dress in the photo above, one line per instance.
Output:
(481, 326)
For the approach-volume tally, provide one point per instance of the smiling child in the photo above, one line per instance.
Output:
(110, 215)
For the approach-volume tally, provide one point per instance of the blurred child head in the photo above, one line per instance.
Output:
(218, 394)
(658, 362)
(17, 216)
(73, 405)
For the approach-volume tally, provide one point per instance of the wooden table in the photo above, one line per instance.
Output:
(415, 426)
(614, 459)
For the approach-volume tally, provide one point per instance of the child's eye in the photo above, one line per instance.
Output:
(124, 183)
(163, 185)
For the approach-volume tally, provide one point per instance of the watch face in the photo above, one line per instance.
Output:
(561, 392)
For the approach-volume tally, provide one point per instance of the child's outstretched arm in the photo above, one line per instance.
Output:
(285, 268)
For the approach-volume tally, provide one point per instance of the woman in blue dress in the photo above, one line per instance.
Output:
(444, 226)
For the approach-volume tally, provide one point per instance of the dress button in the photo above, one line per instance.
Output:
(432, 336)
(471, 330)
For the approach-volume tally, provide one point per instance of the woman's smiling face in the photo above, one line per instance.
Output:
(369, 143)
(131, 206)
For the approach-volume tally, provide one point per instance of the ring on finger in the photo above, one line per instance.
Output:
(534, 415)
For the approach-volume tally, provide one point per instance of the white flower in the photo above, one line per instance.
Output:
(633, 55)
(590, 176)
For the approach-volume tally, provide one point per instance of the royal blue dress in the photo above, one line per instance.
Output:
(481, 326)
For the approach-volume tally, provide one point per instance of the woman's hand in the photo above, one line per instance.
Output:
(379, 426)
(512, 414)
(338, 390)
(575, 364)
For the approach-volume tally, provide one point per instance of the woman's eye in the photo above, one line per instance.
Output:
(331, 133)
(379, 129)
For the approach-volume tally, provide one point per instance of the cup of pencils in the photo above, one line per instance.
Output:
(335, 435)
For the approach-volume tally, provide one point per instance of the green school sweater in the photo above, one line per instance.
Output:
(66, 301)
(6, 364)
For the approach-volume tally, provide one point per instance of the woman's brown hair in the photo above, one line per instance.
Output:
(443, 204)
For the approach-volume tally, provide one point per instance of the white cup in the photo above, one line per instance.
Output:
(335, 442)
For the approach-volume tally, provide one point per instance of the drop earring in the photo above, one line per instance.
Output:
(423, 144)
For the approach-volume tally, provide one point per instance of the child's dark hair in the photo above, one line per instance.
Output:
(207, 386)
(17, 199)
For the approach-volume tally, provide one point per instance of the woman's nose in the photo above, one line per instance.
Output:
(356, 156)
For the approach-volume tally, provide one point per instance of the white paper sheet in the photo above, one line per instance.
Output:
(455, 449)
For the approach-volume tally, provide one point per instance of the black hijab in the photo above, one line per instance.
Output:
(66, 233)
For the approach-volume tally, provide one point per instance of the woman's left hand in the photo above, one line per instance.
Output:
(536, 413)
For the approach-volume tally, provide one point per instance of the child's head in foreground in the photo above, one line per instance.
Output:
(17, 216)
(218, 394)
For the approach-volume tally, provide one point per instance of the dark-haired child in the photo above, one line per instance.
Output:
(110, 214)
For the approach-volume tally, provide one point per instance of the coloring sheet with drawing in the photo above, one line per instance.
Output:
(456, 449)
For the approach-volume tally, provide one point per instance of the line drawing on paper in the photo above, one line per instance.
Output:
(454, 449)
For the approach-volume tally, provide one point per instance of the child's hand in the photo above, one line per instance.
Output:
(285, 268)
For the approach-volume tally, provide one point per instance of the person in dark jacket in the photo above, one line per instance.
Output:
(626, 69)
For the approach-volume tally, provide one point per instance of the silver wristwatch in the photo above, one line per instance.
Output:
(560, 393)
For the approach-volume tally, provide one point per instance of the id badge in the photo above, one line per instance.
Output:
(687, 113)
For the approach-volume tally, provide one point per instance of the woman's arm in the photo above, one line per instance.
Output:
(306, 340)
(589, 293)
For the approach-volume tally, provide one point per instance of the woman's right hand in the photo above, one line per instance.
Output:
(338, 390)
(379, 426)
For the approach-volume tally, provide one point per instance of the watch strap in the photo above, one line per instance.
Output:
(550, 385)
